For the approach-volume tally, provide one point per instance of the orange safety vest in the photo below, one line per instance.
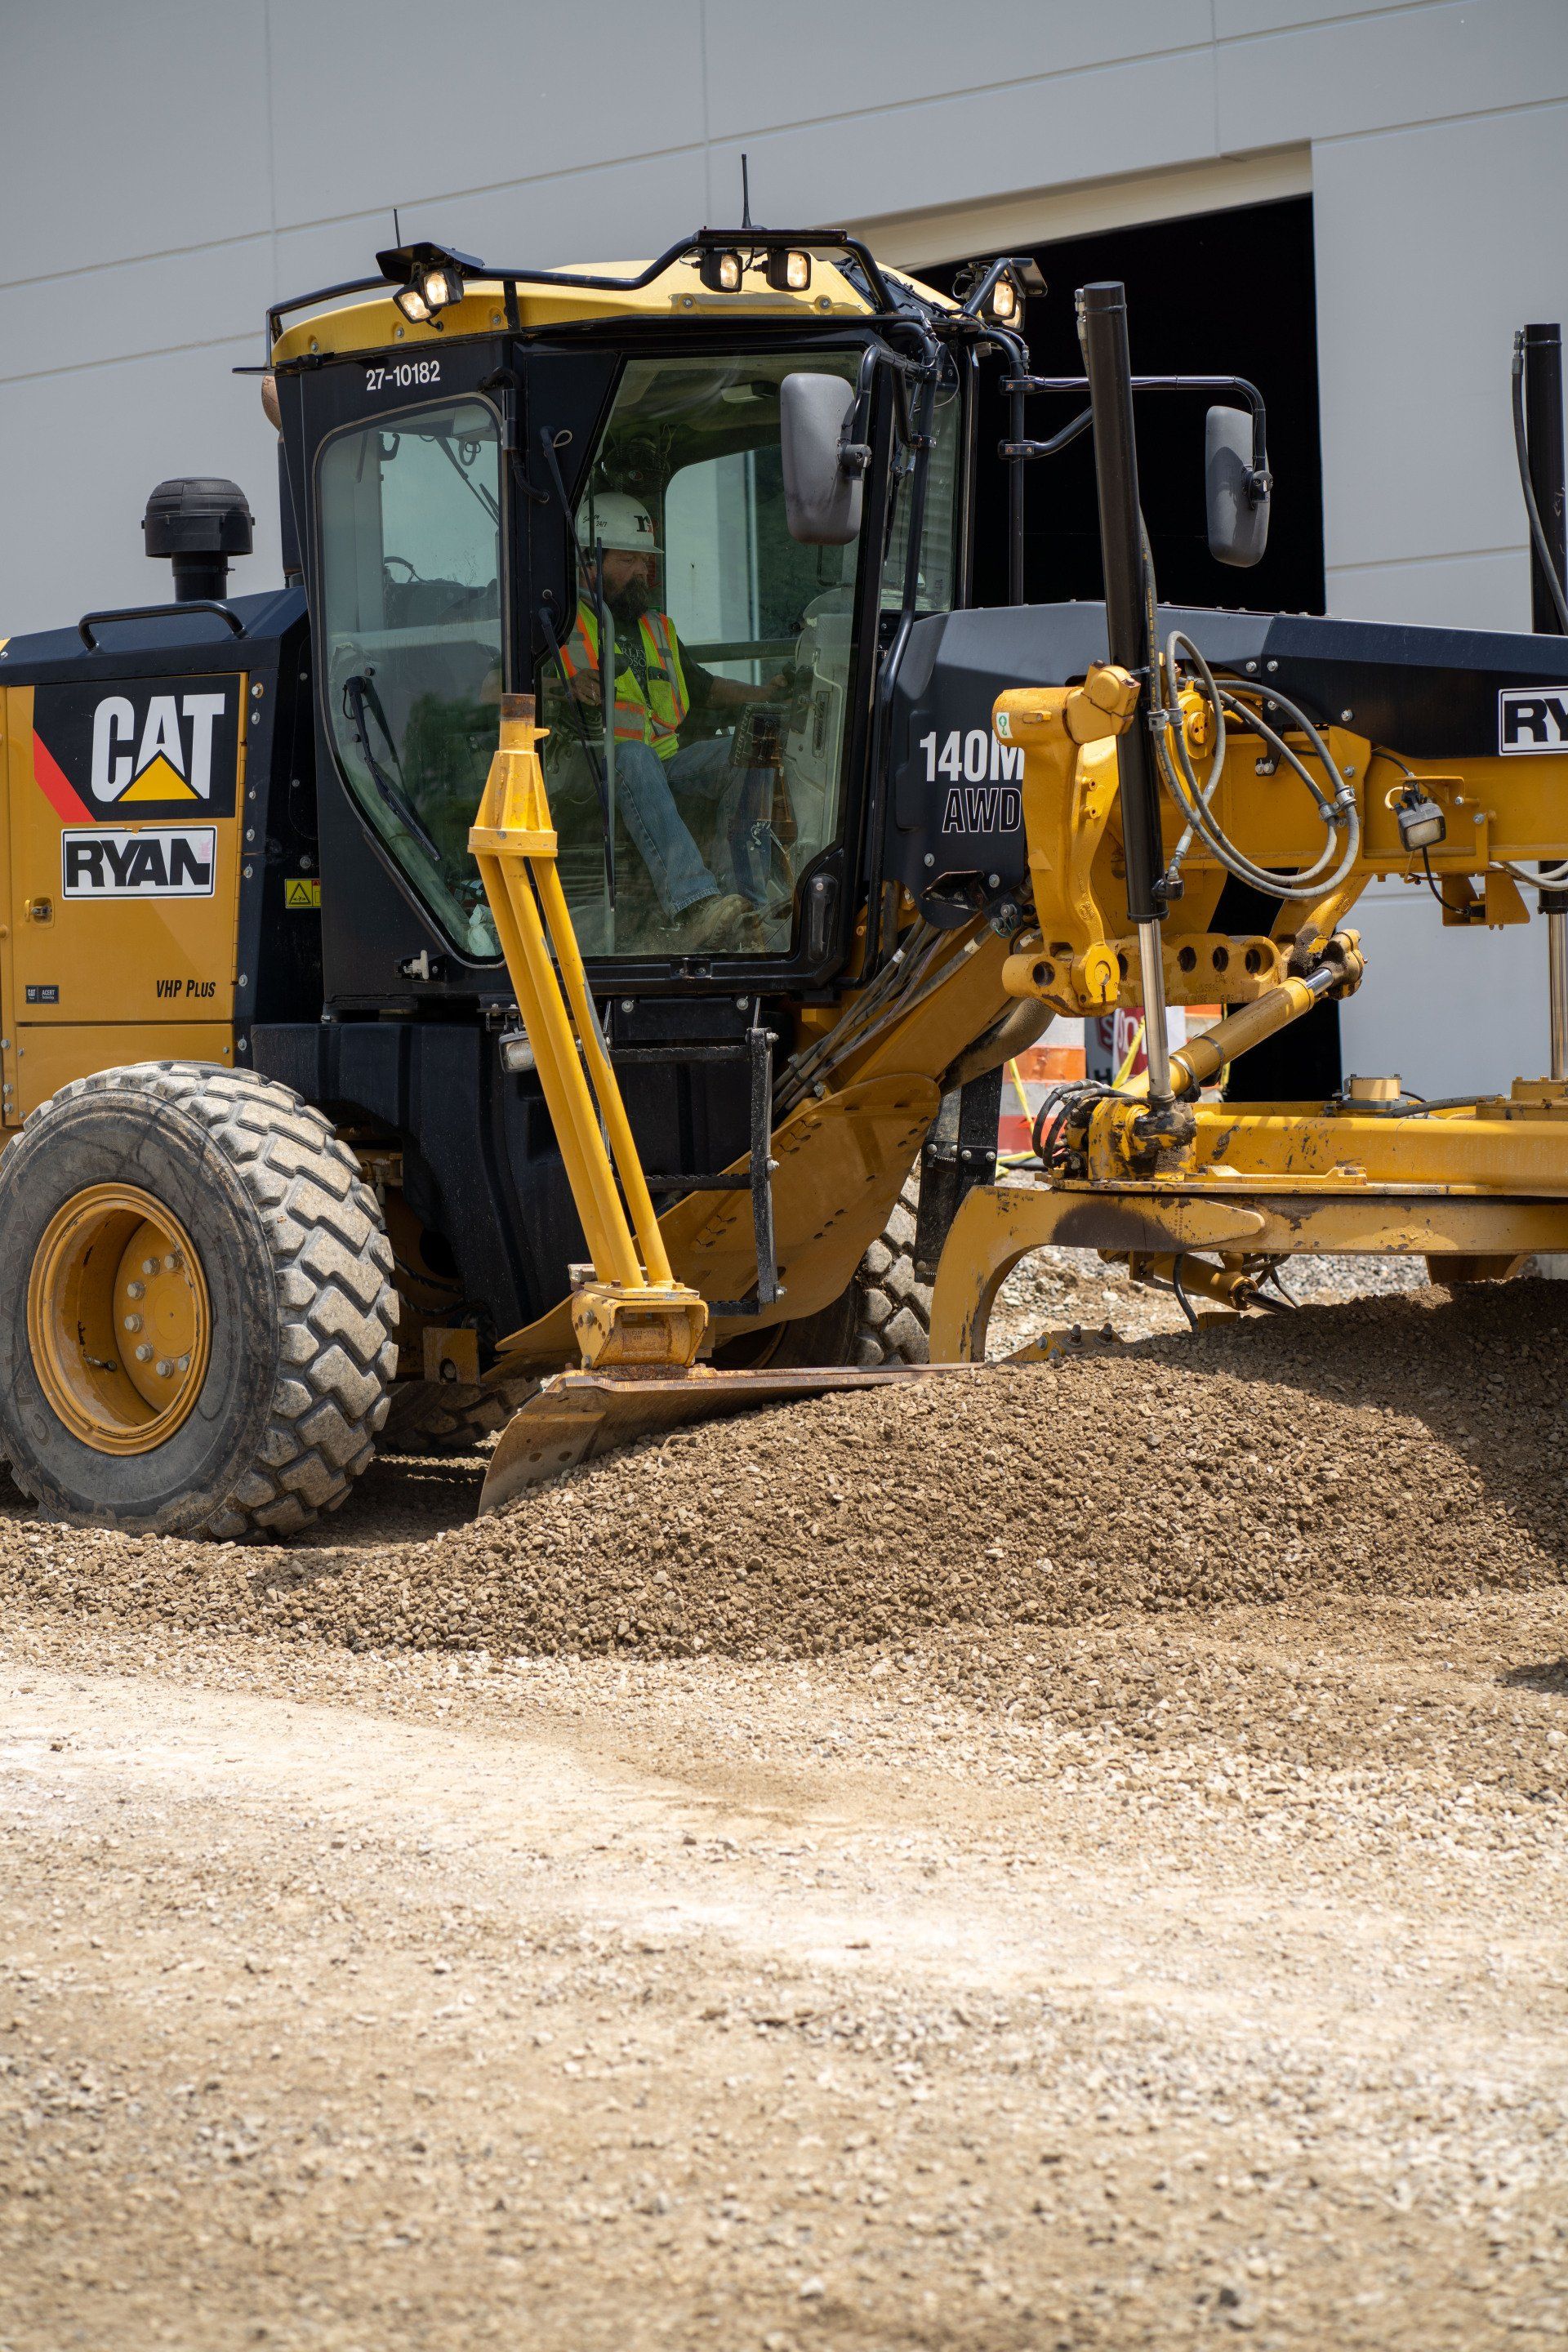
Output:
(655, 716)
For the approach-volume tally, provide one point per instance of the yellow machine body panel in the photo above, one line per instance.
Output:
(119, 897)
(1493, 809)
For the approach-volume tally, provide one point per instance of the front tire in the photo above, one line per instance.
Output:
(197, 1309)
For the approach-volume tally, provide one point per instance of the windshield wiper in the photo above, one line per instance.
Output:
(475, 490)
(359, 696)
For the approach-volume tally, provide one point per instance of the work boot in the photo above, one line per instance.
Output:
(726, 925)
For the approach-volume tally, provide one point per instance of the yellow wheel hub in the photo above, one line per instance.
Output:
(118, 1319)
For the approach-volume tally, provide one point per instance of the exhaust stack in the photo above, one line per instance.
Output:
(198, 521)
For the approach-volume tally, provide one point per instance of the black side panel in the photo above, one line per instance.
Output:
(480, 1160)
(437, 1089)
(1431, 694)
(280, 896)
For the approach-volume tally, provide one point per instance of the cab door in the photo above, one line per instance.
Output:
(123, 885)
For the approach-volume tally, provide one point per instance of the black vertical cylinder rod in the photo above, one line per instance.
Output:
(1543, 439)
(1103, 315)
(1543, 435)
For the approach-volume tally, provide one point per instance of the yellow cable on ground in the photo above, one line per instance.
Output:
(1018, 1159)
(1125, 1072)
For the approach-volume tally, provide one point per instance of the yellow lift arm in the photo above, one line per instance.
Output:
(638, 1329)
(634, 1313)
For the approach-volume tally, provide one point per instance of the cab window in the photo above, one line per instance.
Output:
(411, 613)
(936, 579)
(719, 648)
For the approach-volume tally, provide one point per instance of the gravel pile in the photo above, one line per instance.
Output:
(1405, 1444)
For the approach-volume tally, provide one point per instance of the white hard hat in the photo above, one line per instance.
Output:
(618, 521)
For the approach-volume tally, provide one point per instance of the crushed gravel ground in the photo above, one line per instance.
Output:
(1125, 1909)
(1411, 1445)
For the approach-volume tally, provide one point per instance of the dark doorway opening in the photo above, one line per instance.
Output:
(1228, 293)
(1225, 293)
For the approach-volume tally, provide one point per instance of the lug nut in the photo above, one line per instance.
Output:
(143, 1353)
(165, 1367)
(184, 1364)
(133, 1322)
(148, 1265)
(135, 1290)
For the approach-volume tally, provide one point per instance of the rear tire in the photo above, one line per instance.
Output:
(298, 1305)
(892, 1324)
(884, 1315)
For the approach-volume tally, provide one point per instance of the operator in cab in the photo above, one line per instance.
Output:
(659, 782)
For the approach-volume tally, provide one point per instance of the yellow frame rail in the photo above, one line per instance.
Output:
(634, 1315)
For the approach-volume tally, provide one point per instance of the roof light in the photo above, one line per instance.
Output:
(432, 278)
(429, 290)
(721, 270)
(789, 270)
(998, 289)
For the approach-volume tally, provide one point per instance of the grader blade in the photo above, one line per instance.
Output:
(580, 1414)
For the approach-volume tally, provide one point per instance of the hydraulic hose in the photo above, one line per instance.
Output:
(1194, 799)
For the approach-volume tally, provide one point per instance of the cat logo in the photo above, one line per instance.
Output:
(138, 749)
(171, 761)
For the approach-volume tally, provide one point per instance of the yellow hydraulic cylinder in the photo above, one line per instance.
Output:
(1197, 1063)
(633, 1314)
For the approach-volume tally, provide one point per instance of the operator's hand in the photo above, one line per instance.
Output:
(588, 686)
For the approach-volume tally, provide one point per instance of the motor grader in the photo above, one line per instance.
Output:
(390, 1022)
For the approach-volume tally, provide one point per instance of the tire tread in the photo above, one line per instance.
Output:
(335, 1287)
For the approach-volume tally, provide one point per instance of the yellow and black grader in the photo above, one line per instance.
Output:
(511, 972)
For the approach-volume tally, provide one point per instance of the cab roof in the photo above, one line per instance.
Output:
(375, 323)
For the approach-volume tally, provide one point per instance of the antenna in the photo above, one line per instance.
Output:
(397, 232)
(745, 193)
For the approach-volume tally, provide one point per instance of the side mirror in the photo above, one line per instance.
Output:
(822, 494)
(1235, 496)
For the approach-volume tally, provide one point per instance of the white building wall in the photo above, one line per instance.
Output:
(167, 169)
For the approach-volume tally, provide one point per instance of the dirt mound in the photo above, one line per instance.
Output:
(1412, 1446)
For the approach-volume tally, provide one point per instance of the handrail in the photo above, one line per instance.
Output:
(704, 240)
(90, 621)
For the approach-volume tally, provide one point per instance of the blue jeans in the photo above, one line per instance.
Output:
(649, 794)
(645, 800)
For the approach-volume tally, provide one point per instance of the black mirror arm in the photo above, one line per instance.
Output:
(855, 447)
(1259, 480)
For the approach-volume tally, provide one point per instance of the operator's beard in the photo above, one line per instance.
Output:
(631, 601)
